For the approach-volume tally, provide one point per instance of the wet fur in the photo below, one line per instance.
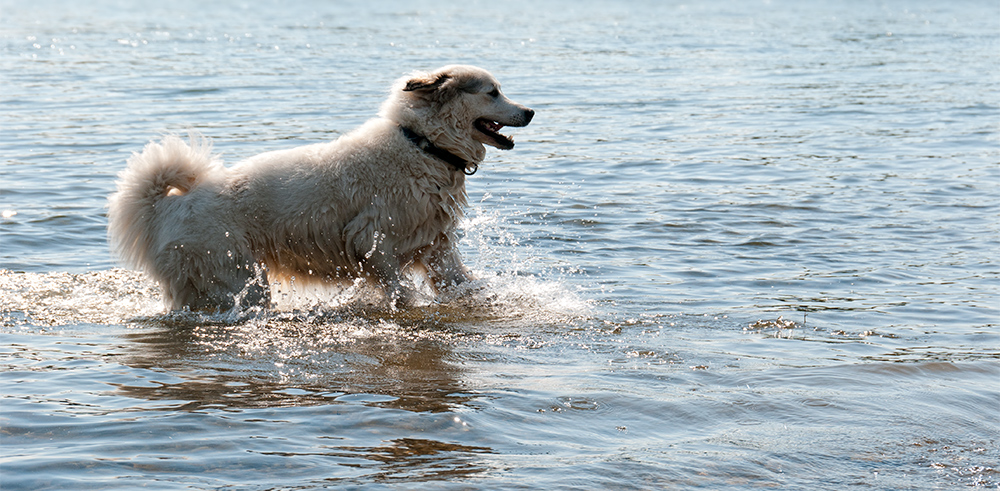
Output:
(369, 205)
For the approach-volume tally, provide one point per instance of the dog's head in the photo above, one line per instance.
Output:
(458, 107)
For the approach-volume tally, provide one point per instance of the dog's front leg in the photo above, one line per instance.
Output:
(375, 252)
(445, 266)
(384, 265)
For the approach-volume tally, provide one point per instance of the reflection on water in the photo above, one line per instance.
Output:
(411, 460)
(285, 364)
(358, 367)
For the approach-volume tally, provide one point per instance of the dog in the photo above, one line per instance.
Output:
(378, 203)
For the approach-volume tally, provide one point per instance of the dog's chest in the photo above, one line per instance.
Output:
(435, 201)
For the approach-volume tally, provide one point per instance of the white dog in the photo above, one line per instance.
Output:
(376, 203)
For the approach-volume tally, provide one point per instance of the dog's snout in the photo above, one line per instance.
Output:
(528, 114)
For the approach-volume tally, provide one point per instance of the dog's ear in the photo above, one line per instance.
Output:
(421, 84)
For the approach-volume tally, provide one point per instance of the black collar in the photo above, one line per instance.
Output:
(467, 168)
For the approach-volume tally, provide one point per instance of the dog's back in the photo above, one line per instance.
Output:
(321, 210)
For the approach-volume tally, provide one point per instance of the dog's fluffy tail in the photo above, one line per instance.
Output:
(166, 168)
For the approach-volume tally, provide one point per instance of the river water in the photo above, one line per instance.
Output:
(742, 245)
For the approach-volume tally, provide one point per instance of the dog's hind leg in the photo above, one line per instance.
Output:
(201, 279)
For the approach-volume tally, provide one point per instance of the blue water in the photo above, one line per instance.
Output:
(741, 245)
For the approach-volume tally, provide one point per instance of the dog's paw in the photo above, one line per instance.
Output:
(407, 298)
(469, 293)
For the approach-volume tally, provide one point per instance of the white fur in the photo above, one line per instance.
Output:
(370, 204)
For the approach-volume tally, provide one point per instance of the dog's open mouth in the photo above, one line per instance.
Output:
(492, 130)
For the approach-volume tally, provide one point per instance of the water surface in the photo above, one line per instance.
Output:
(742, 245)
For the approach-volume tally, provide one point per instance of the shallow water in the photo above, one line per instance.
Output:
(741, 245)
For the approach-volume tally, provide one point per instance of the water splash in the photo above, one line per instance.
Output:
(119, 296)
(53, 299)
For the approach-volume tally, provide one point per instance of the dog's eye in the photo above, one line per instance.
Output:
(495, 93)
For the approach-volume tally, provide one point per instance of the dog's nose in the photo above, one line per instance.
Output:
(528, 114)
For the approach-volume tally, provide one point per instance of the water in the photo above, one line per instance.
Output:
(742, 245)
